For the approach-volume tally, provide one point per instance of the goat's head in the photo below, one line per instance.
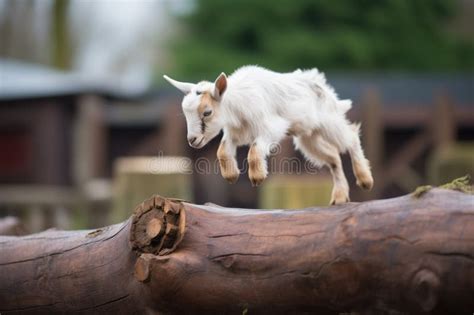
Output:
(201, 107)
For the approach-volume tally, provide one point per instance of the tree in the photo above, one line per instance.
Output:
(61, 48)
(285, 35)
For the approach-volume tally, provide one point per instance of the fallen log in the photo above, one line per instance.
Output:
(409, 255)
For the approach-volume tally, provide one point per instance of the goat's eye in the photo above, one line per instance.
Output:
(207, 113)
(198, 92)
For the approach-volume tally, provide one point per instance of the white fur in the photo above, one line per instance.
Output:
(260, 107)
(275, 102)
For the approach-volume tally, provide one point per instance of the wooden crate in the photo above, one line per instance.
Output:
(298, 191)
(137, 178)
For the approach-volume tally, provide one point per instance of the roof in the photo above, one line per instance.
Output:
(405, 88)
(21, 80)
(399, 89)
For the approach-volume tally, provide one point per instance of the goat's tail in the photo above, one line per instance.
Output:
(344, 105)
(315, 76)
(356, 127)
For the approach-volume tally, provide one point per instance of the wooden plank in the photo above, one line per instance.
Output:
(413, 115)
(443, 123)
(404, 157)
(37, 195)
(90, 140)
(373, 136)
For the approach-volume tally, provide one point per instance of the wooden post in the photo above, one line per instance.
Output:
(444, 123)
(373, 136)
(89, 140)
(175, 124)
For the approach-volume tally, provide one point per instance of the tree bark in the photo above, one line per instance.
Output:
(406, 255)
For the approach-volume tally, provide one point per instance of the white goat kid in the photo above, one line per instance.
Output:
(258, 107)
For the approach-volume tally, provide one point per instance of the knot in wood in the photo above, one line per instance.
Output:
(425, 288)
(158, 225)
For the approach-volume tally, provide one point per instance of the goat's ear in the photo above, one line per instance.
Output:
(220, 85)
(184, 87)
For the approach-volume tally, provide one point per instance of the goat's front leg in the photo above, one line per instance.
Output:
(228, 164)
(257, 163)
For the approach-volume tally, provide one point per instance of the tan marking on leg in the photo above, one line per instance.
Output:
(257, 171)
(227, 163)
(360, 165)
(363, 174)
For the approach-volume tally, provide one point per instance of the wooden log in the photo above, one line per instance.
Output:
(408, 255)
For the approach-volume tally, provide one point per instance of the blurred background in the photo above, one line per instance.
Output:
(88, 127)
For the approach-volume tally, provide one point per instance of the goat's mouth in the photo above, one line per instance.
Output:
(199, 144)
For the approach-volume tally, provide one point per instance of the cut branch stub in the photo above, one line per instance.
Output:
(142, 268)
(158, 226)
(154, 228)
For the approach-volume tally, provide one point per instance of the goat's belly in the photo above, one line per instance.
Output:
(300, 129)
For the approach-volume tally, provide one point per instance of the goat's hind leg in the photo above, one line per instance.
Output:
(345, 137)
(360, 165)
(321, 152)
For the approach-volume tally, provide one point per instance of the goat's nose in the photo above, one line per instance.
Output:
(191, 140)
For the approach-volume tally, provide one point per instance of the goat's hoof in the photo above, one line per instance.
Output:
(231, 179)
(365, 182)
(339, 202)
(231, 175)
(257, 180)
(339, 198)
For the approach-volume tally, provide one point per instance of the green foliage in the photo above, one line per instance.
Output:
(351, 34)
(61, 46)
